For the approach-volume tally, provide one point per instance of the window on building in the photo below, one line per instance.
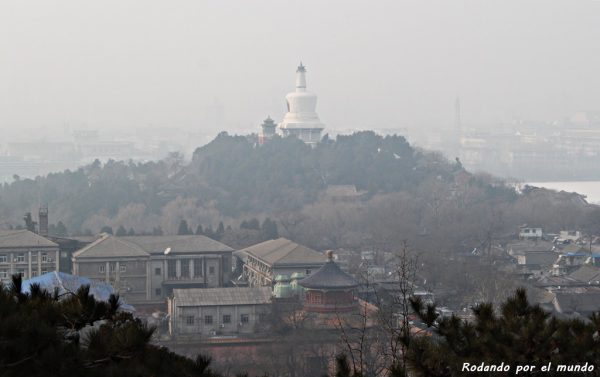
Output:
(112, 266)
(189, 320)
(244, 318)
(44, 257)
(64, 254)
(44, 272)
(34, 273)
(101, 269)
(157, 271)
(3, 274)
(34, 257)
(317, 298)
(185, 268)
(261, 317)
(123, 268)
(21, 272)
(208, 320)
(2, 258)
(158, 292)
(171, 269)
(197, 268)
(211, 270)
(20, 258)
(226, 318)
(308, 271)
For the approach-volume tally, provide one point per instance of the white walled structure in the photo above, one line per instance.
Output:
(301, 119)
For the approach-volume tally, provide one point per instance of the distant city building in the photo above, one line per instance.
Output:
(146, 269)
(27, 254)
(301, 119)
(264, 261)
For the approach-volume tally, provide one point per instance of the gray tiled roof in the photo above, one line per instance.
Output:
(222, 296)
(285, 252)
(109, 247)
(586, 274)
(329, 276)
(178, 244)
(23, 238)
(585, 302)
(142, 246)
(524, 246)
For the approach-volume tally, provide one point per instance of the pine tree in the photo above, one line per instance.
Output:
(520, 334)
(106, 229)
(269, 229)
(61, 230)
(199, 230)
(183, 229)
(121, 231)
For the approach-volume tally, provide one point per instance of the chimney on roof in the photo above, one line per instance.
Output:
(43, 220)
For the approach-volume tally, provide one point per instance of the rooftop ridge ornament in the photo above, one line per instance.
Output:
(301, 68)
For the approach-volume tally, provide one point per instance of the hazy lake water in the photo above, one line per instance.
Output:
(591, 189)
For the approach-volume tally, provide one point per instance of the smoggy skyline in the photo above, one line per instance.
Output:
(212, 65)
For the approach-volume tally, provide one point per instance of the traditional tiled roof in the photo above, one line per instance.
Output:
(584, 302)
(110, 247)
(23, 238)
(222, 296)
(330, 276)
(586, 274)
(178, 244)
(285, 252)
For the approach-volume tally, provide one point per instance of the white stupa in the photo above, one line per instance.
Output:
(301, 120)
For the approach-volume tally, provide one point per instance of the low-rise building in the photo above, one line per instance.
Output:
(27, 254)
(264, 261)
(146, 269)
(217, 311)
(530, 233)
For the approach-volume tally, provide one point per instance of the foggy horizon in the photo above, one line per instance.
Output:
(207, 67)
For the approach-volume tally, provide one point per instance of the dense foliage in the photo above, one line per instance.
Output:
(521, 334)
(231, 175)
(42, 334)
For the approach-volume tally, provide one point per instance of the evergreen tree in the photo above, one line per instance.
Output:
(269, 229)
(520, 334)
(199, 230)
(121, 231)
(157, 231)
(61, 230)
(43, 334)
(106, 229)
(131, 232)
(220, 231)
(29, 223)
(183, 229)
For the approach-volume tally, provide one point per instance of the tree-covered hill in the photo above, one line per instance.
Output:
(230, 176)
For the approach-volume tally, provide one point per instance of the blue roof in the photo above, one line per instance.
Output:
(576, 254)
(70, 283)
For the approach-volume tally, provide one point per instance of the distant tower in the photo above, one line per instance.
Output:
(43, 219)
(268, 129)
(301, 120)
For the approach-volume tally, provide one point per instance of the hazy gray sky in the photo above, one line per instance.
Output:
(124, 63)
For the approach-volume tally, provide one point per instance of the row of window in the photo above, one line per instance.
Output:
(112, 267)
(20, 258)
(22, 272)
(157, 270)
(208, 319)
